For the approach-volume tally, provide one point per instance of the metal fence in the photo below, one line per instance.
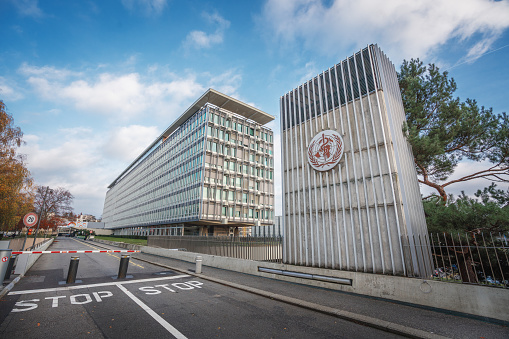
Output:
(251, 248)
(469, 258)
(472, 258)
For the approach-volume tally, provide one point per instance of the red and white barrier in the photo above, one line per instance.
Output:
(63, 252)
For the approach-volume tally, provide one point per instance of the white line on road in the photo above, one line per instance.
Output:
(115, 283)
(153, 314)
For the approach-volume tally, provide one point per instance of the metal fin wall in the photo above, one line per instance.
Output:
(356, 216)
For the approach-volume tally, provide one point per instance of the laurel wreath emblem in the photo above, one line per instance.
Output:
(333, 159)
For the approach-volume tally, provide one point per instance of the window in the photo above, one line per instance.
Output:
(244, 197)
(251, 131)
(239, 127)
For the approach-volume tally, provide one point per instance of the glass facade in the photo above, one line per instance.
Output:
(239, 170)
(211, 168)
(164, 186)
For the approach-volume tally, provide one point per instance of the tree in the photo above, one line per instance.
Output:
(469, 219)
(51, 204)
(444, 131)
(15, 181)
(487, 212)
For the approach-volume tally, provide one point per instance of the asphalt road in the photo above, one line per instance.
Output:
(152, 303)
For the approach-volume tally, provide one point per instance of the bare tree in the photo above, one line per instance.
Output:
(50, 203)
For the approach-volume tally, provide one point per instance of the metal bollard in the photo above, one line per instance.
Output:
(122, 269)
(10, 266)
(198, 264)
(73, 270)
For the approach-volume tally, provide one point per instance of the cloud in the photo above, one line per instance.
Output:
(122, 96)
(126, 143)
(84, 160)
(9, 92)
(28, 8)
(148, 7)
(75, 162)
(127, 96)
(402, 28)
(228, 82)
(200, 39)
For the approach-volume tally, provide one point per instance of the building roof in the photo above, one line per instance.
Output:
(223, 101)
(217, 99)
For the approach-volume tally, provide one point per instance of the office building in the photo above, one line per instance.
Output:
(210, 172)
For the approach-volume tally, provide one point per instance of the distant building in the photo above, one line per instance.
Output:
(210, 172)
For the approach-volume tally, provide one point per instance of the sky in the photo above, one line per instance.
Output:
(91, 83)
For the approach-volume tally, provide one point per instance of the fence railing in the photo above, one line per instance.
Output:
(474, 258)
(459, 258)
(251, 248)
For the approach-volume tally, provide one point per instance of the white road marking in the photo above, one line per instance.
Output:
(153, 314)
(116, 283)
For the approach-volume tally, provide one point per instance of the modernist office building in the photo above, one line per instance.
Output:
(351, 196)
(210, 172)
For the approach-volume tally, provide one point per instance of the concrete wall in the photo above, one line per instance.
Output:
(25, 261)
(359, 215)
(17, 243)
(476, 300)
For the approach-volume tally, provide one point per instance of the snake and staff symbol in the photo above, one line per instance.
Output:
(325, 150)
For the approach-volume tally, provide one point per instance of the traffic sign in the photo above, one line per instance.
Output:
(30, 219)
(4, 259)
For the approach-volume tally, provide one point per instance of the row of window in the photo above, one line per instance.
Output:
(246, 213)
(227, 195)
(220, 119)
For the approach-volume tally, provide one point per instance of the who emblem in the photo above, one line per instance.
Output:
(325, 150)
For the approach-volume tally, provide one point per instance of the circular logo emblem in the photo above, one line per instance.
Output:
(325, 150)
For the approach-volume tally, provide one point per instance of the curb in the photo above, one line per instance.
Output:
(9, 287)
(349, 316)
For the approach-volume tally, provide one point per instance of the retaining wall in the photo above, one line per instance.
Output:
(25, 261)
(476, 300)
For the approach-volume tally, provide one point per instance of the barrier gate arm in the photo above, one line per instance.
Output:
(63, 252)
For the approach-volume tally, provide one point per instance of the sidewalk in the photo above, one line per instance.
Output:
(357, 307)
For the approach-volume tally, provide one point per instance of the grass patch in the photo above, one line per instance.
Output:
(142, 242)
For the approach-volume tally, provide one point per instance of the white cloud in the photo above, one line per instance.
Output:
(85, 161)
(148, 7)
(126, 143)
(121, 97)
(228, 82)
(402, 28)
(75, 162)
(28, 8)
(9, 92)
(200, 39)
